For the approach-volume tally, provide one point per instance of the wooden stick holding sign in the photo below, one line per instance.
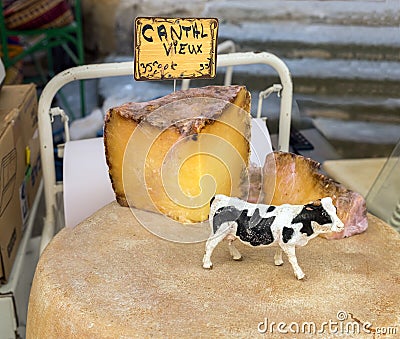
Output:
(175, 48)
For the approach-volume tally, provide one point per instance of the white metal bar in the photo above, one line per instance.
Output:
(265, 94)
(45, 129)
(226, 46)
(185, 84)
(126, 68)
(286, 81)
(57, 111)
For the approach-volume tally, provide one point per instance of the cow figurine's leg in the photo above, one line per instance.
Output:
(278, 257)
(290, 251)
(232, 248)
(221, 233)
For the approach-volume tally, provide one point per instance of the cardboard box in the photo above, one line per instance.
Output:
(14, 296)
(20, 170)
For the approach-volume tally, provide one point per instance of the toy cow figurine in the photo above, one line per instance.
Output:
(263, 225)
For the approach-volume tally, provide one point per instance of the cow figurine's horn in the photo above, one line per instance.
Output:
(317, 202)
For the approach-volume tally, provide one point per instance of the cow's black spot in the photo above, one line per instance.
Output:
(255, 218)
(225, 214)
(310, 213)
(255, 229)
(270, 208)
(211, 201)
(307, 228)
(287, 233)
(243, 224)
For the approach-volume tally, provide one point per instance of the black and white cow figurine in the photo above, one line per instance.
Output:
(263, 225)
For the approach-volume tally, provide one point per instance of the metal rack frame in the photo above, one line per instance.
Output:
(52, 187)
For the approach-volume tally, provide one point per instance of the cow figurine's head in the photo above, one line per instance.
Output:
(323, 214)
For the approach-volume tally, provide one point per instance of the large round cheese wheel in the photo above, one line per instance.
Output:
(110, 278)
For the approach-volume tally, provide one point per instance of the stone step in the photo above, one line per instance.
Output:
(370, 107)
(359, 139)
(361, 12)
(295, 40)
(349, 90)
(308, 107)
(347, 72)
(380, 79)
(354, 108)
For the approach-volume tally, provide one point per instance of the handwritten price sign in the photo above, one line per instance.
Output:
(174, 48)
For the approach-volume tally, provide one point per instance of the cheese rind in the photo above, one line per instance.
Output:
(110, 278)
(294, 179)
(172, 154)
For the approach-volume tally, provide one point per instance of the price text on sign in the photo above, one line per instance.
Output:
(175, 48)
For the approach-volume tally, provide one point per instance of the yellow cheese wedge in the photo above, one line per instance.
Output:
(172, 154)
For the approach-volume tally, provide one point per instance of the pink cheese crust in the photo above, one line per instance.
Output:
(294, 179)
